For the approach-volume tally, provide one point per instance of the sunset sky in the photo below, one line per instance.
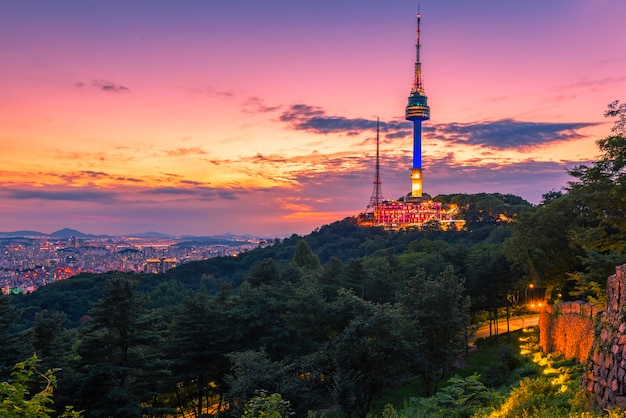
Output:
(257, 117)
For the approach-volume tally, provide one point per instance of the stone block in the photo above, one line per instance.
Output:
(597, 356)
(576, 307)
(596, 371)
(620, 402)
(566, 307)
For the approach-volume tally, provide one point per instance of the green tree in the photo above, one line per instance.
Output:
(355, 276)
(253, 373)
(599, 195)
(487, 208)
(308, 312)
(331, 277)
(383, 277)
(440, 309)
(617, 110)
(54, 344)
(541, 244)
(6, 319)
(119, 364)
(16, 400)
(264, 272)
(304, 257)
(200, 339)
(258, 319)
(375, 350)
(491, 280)
(51, 340)
(601, 185)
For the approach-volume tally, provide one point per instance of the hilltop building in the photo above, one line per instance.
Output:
(159, 265)
(415, 210)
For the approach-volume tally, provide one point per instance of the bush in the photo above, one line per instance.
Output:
(508, 355)
(531, 397)
(267, 406)
(459, 399)
(527, 369)
(500, 372)
(495, 375)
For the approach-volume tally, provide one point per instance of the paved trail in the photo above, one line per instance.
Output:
(514, 324)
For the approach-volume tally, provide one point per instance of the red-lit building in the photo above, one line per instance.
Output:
(412, 214)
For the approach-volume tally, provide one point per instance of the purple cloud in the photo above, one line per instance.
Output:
(110, 86)
(507, 133)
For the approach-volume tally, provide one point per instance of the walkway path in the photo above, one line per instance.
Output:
(515, 323)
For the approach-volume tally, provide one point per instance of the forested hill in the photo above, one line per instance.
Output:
(487, 216)
(219, 329)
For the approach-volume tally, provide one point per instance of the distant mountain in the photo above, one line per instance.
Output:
(68, 233)
(225, 236)
(150, 234)
(22, 234)
(61, 234)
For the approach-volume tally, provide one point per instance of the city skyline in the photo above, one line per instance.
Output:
(246, 117)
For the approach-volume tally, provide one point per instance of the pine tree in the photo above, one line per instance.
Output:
(118, 366)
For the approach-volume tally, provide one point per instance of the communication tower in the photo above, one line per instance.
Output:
(417, 110)
(415, 210)
(377, 194)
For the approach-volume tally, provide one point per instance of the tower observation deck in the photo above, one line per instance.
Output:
(417, 110)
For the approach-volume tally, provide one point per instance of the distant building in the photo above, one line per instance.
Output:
(159, 265)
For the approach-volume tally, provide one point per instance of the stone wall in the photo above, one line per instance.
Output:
(567, 329)
(605, 378)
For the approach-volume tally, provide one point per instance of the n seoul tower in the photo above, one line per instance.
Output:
(416, 111)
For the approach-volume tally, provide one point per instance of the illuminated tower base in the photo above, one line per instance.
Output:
(416, 182)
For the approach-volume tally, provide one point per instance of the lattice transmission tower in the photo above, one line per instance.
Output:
(377, 194)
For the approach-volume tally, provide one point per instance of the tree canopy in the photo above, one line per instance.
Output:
(578, 236)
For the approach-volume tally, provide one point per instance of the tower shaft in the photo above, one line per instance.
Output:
(417, 110)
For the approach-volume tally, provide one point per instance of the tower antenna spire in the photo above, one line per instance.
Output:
(418, 83)
(377, 193)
